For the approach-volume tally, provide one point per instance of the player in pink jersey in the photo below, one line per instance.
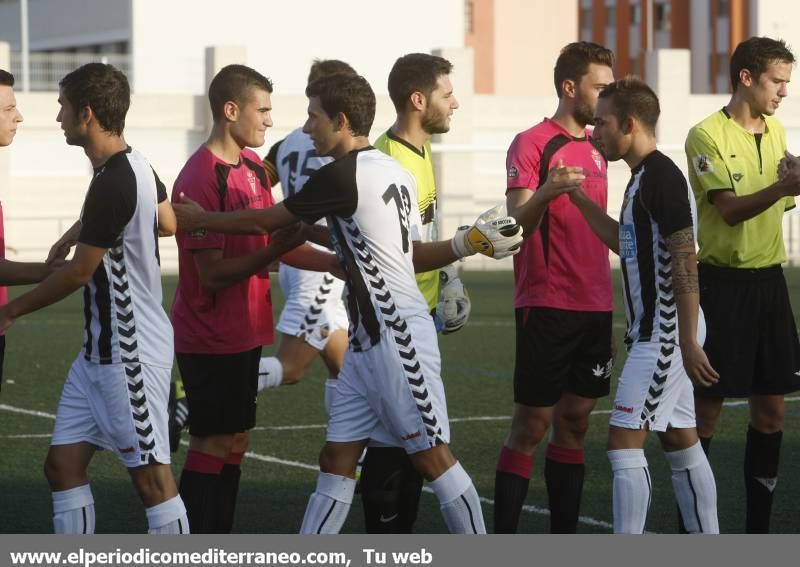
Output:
(222, 311)
(563, 297)
(11, 273)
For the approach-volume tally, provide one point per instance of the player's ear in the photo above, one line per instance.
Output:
(568, 88)
(745, 77)
(340, 121)
(231, 111)
(628, 125)
(417, 100)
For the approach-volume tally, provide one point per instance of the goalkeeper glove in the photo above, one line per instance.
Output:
(494, 234)
(454, 305)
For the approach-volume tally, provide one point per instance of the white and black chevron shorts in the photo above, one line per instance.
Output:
(314, 307)
(393, 393)
(654, 389)
(119, 407)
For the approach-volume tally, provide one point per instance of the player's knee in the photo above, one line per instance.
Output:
(292, 374)
(527, 433)
(153, 485)
(768, 419)
(571, 429)
(60, 475)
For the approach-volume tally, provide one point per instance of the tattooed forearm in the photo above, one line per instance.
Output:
(684, 262)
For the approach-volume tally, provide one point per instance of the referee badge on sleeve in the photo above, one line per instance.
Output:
(702, 164)
(512, 171)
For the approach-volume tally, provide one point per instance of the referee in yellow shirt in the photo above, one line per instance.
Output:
(733, 158)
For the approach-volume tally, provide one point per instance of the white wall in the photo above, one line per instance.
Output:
(282, 38)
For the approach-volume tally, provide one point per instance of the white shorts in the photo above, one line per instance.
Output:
(654, 389)
(120, 407)
(314, 308)
(393, 393)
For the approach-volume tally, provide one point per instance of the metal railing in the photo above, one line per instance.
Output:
(47, 69)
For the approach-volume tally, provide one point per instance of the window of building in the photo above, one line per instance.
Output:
(636, 14)
(662, 16)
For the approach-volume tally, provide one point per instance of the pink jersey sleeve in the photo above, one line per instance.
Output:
(522, 164)
(202, 187)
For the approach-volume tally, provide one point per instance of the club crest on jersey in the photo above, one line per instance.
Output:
(251, 179)
(597, 159)
(512, 171)
(702, 164)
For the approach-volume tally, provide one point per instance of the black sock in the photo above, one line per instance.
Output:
(705, 443)
(390, 491)
(761, 456)
(200, 494)
(564, 488)
(510, 491)
(510, 488)
(229, 490)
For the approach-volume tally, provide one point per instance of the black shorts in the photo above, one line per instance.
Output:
(221, 390)
(560, 350)
(751, 336)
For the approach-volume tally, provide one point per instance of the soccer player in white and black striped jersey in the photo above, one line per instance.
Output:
(390, 388)
(115, 396)
(655, 239)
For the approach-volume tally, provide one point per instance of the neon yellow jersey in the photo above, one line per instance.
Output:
(723, 156)
(420, 164)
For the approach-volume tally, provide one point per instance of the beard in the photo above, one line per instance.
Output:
(434, 121)
(583, 113)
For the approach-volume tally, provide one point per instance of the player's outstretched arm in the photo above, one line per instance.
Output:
(686, 290)
(21, 273)
(528, 208)
(305, 257)
(191, 217)
(606, 228)
(217, 272)
(167, 222)
(432, 255)
(60, 284)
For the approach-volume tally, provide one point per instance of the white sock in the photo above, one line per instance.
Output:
(632, 489)
(459, 502)
(330, 390)
(329, 504)
(73, 511)
(270, 373)
(169, 517)
(695, 489)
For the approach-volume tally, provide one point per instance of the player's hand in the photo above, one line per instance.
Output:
(289, 237)
(453, 309)
(494, 234)
(59, 251)
(697, 366)
(189, 214)
(561, 179)
(787, 163)
(579, 197)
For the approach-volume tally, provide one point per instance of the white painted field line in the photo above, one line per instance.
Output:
(12, 409)
(28, 436)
